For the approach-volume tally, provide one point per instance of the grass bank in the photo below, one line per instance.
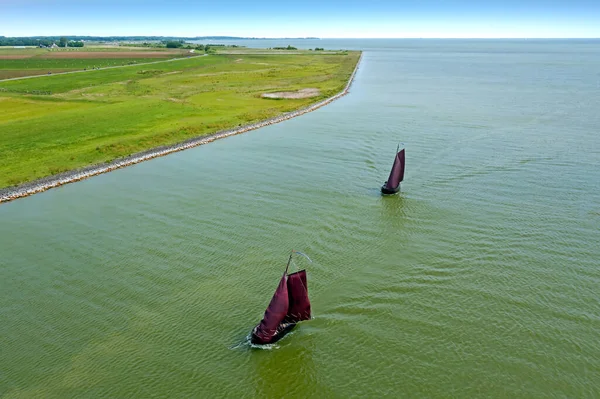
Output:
(58, 123)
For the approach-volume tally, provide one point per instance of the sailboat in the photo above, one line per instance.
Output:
(289, 305)
(392, 185)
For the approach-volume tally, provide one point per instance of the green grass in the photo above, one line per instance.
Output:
(42, 61)
(50, 64)
(40, 66)
(30, 51)
(100, 115)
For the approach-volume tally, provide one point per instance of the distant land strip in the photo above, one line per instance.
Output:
(12, 41)
(46, 183)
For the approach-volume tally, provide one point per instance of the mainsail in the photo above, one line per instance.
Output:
(299, 308)
(397, 173)
(275, 313)
(289, 305)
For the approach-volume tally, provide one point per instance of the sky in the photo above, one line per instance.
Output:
(317, 18)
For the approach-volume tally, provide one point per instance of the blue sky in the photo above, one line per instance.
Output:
(325, 18)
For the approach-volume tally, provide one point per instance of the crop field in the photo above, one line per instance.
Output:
(56, 123)
(16, 63)
(66, 52)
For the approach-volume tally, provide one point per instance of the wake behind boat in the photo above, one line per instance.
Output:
(289, 305)
(392, 185)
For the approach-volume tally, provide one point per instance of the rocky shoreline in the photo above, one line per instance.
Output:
(45, 183)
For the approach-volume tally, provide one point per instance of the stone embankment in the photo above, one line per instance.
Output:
(43, 184)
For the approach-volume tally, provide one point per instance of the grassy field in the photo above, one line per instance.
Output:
(57, 123)
(34, 61)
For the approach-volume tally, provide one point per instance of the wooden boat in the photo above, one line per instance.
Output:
(392, 185)
(289, 305)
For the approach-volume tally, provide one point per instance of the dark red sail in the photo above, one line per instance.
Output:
(299, 304)
(289, 305)
(397, 173)
(274, 315)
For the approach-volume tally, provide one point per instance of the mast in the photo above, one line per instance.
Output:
(289, 260)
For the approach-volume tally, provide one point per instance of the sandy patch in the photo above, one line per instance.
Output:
(303, 93)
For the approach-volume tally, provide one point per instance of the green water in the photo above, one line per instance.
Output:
(480, 279)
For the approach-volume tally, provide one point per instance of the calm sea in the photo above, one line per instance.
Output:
(481, 279)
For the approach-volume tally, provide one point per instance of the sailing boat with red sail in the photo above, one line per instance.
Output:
(289, 305)
(392, 185)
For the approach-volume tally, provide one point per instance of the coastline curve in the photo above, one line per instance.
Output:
(46, 183)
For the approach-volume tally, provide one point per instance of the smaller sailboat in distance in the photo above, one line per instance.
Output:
(289, 305)
(392, 185)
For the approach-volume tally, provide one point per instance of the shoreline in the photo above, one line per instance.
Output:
(46, 183)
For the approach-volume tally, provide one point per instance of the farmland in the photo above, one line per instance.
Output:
(33, 61)
(51, 124)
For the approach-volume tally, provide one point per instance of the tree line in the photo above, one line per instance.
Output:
(27, 41)
(285, 48)
(78, 41)
(36, 40)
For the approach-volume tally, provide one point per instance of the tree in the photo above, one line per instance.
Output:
(285, 48)
(172, 44)
(62, 42)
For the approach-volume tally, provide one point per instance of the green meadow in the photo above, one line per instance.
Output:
(49, 64)
(39, 66)
(17, 62)
(56, 123)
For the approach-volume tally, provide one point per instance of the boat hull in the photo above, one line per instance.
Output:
(388, 190)
(281, 332)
